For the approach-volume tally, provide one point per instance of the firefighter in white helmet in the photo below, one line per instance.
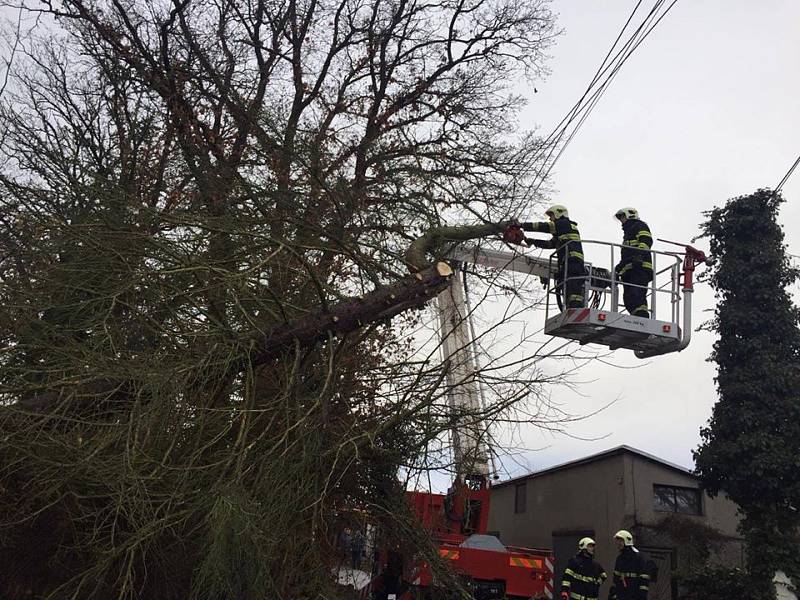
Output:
(631, 579)
(635, 267)
(583, 575)
(566, 241)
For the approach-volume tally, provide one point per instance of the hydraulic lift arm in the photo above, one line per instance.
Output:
(470, 450)
(508, 261)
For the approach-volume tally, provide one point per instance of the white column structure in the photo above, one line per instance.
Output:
(469, 431)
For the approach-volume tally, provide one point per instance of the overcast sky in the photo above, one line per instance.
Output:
(708, 108)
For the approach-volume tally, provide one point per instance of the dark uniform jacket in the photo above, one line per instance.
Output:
(631, 576)
(583, 578)
(564, 232)
(636, 243)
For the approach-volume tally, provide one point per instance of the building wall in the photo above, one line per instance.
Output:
(600, 497)
(719, 513)
(579, 500)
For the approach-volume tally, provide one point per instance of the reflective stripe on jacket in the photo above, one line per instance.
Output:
(566, 241)
(583, 577)
(631, 580)
(637, 240)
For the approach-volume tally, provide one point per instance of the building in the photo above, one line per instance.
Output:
(672, 520)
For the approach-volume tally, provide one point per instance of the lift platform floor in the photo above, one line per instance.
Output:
(612, 329)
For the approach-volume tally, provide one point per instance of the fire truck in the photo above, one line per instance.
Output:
(458, 520)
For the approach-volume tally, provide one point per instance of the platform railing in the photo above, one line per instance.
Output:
(599, 289)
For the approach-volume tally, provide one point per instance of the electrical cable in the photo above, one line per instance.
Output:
(583, 107)
(788, 174)
(599, 93)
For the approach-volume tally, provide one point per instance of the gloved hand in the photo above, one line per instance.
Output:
(618, 268)
(513, 235)
(538, 243)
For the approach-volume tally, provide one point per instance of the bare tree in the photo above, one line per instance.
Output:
(210, 213)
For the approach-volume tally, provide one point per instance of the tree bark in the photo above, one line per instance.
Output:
(426, 282)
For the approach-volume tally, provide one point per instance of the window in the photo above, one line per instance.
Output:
(668, 498)
(520, 497)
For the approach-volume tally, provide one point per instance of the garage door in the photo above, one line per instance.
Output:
(661, 587)
(565, 545)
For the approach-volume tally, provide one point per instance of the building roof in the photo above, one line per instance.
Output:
(596, 457)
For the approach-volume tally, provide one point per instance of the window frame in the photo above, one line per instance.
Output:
(521, 499)
(675, 504)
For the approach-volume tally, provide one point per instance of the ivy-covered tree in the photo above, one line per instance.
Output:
(751, 447)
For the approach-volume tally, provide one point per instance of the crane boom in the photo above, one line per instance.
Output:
(463, 394)
(506, 261)
(470, 451)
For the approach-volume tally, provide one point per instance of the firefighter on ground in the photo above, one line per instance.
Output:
(566, 242)
(631, 573)
(635, 267)
(583, 576)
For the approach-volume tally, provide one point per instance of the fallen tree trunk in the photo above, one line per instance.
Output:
(347, 316)
(425, 283)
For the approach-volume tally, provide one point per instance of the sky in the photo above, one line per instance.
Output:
(708, 108)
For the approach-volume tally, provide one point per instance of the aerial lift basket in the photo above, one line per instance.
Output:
(604, 320)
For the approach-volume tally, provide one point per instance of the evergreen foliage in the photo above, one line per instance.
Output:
(721, 583)
(751, 447)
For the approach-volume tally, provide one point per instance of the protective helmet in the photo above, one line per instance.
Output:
(558, 211)
(585, 543)
(627, 212)
(625, 536)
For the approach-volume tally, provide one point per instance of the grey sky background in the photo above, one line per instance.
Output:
(708, 108)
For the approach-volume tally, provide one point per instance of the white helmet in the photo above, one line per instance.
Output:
(585, 543)
(558, 211)
(628, 212)
(625, 536)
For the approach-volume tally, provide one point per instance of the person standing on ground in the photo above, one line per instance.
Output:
(583, 575)
(631, 580)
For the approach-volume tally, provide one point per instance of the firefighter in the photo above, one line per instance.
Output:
(631, 574)
(583, 576)
(566, 242)
(635, 267)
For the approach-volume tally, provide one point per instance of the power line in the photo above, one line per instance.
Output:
(788, 174)
(588, 100)
(610, 78)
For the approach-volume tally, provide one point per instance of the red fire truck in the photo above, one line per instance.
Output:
(486, 567)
